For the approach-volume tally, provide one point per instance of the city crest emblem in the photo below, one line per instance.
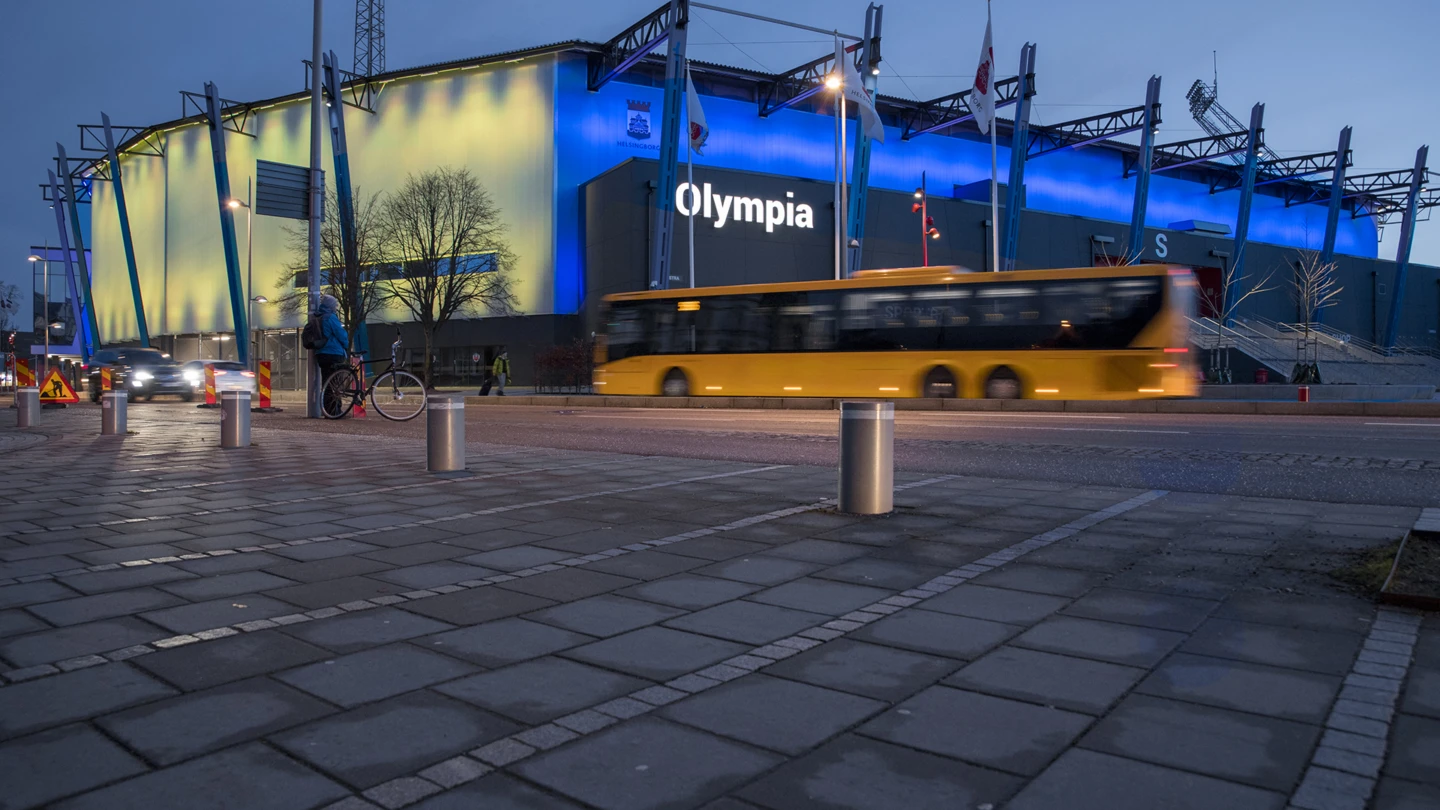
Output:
(637, 123)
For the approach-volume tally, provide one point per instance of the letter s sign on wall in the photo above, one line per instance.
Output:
(1161, 249)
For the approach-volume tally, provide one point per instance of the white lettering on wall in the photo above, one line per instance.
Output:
(691, 200)
(1161, 249)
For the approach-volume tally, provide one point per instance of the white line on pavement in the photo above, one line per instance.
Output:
(1037, 427)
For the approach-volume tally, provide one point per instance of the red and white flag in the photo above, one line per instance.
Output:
(698, 131)
(982, 94)
(854, 89)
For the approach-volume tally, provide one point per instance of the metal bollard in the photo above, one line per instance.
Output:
(112, 413)
(234, 419)
(27, 407)
(867, 457)
(1303, 393)
(445, 433)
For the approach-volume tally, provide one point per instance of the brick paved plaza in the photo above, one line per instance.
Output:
(315, 621)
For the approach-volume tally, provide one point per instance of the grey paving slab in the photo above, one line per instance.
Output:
(329, 568)
(1162, 611)
(747, 622)
(1331, 613)
(1400, 794)
(102, 581)
(1262, 751)
(759, 569)
(233, 562)
(492, 538)
(222, 585)
(1415, 750)
(49, 702)
(647, 764)
(1104, 641)
(567, 584)
(218, 613)
(1041, 579)
(506, 641)
(1063, 681)
(325, 550)
(430, 575)
(350, 632)
(605, 615)
(858, 773)
(250, 777)
(996, 604)
(30, 593)
(1422, 691)
(49, 646)
(690, 591)
(477, 605)
(937, 633)
(415, 554)
(774, 713)
(1257, 688)
(181, 727)
(1295, 648)
(646, 565)
(538, 691)
(871, 670)
(720, 548)
(103, 606)
(18, 622)
(335, 591)
(200, 666)
(889, 574)
(824, 552)
(371, 675)
(393, 738)
(1087, 780)
(498, 791)
(657, 653)
(821, 596)
(41, 768)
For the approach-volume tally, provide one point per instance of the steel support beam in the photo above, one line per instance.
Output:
(789, 89)
(860, 174)
(1247, 196)
(1402, 251)
(1019, 149)
(238, 314)
(947, 111)
(1337, 195)
(344, 193)
(664, 229)
(1144, 164)
(82, 262)
(87, 341)
(636, 42)
(1088, 130)
(125, 239)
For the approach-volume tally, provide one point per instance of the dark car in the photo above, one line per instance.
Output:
(142, 373)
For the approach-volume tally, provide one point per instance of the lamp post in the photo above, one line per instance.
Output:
(927, 223)
(45, 284)
(835, 82)
(249, 259)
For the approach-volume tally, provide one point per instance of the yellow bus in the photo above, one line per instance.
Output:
(1091, 333)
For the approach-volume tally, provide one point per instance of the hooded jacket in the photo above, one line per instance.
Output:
(337, 342)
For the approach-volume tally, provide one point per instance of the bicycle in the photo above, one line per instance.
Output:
(395, 393)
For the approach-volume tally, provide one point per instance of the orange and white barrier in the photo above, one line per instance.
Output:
(107, 379)
(262, 382)
(24, 375)
(210, 385)
(359, 410)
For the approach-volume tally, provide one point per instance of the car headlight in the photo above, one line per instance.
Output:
(144, 375)
(192, 376)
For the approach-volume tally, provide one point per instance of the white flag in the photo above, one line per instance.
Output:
(699, 132)
(854, 88)
(982, 94)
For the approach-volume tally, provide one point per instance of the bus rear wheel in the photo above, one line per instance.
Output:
(676, 384)
(939, 384)
(1002, 384)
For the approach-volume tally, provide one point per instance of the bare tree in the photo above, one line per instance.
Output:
(1225, 301)
(446, 236)
(9, 307)
(352, 283)
(1314, 288)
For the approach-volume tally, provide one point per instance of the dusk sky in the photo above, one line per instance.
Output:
(64, 63)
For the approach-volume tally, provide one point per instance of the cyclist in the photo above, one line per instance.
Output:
(331, 355)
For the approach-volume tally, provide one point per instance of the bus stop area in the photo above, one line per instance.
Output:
(316, 621)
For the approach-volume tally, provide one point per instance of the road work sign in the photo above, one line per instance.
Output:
(57, 390)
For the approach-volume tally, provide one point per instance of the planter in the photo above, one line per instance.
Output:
(1414, 579)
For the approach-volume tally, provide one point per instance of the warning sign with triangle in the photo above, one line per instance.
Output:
(57, 389)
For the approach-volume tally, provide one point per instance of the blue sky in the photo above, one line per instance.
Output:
(65, 62)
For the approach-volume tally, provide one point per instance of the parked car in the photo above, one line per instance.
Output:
(229, 376)
(142, 373)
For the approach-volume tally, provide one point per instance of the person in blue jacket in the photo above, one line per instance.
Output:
(334, 353)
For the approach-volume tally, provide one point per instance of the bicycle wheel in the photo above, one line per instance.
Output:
(398, 395)
(338, 395)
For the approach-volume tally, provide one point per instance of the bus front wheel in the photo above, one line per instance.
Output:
(676, 384)
(939, 384)
(1002, 384)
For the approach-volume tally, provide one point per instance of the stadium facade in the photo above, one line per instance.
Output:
(574, 170)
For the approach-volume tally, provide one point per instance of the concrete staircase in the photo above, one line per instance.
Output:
(1342, 358)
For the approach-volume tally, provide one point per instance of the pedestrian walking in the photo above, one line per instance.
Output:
(501, 372)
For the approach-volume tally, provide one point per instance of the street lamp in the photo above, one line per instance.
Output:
(235, 203)
(45, 284)
(927, 222)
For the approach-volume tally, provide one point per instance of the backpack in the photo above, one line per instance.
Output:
(312, 336)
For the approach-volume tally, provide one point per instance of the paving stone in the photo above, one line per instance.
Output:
(397, 737)
(996, 604)
(605, 615)
(1260, 751)
(747, 622)
(102, 606)
(335, 592)
(1257, 688)
(179, 728)
(400, 792)
(18, 622)
(1087, 780)
(1339, 759)
(569, 584)
(53, 701)
(252, 776)
(690, 591)
(516, 558)
(1162, 611)
(455, 771)
(1063, 681)
(328, 569)
(502, 642)
(936, 633)
(864, 669)
(413, 554)
(325, 550)
(541, 690)
(773, 713)
(820, 596)
(200, 666)
(1398, 794)
(657, 653)
(1311, 650)
(41, 768)
(857, 773)
(502, 752)
(1415, 749)
(477, 605)
(1041, 579)
(430, 575)
(646, 565)
(715, 548)
(215, 587)
(646, 764)
(218, 613)
(826, 552)
(120, 579)
(1422, 691)
(1104, 641)
(49, 646)
(383, 672)
(497, 791)
(881, 573)
(1331, 613)
(759, 569)
(371, 628)
(33, 593)
(230, 563)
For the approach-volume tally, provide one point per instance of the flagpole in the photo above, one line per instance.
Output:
(843, 212)
(994, 170)
(690, 172)
(839, 94)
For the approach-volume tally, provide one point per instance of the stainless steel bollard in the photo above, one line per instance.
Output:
(445, 433)
(27, 407)
(234, 418)
(112, 413)
(867, 457)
